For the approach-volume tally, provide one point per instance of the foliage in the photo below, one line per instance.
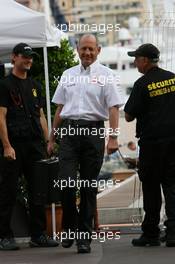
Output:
(59, 59)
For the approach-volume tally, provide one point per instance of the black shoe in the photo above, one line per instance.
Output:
(170, 240)
(8, 244)
(83, 246)
(143, 241)
(67, 242)
(43, 241)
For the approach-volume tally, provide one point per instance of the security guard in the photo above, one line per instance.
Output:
(86, 96)
(152, 103)
(23, 130)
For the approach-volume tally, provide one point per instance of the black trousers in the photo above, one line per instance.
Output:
(156, 169)
(27, 152)
(83, 154)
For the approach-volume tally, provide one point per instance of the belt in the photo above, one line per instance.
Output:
(82, 122)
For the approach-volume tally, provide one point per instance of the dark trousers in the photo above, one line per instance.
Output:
(156, 169)
(83, 154)
(26, 154)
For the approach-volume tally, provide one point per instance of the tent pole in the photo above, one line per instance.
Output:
(54, 234)
(46, 73)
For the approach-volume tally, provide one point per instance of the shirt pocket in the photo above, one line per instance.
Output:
(71, 90)
(95, 90)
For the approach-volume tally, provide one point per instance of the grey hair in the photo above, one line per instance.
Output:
(154, 60)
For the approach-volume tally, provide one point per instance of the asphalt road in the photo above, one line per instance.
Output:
(118, 251)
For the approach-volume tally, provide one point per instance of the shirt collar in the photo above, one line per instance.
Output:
(91, 68)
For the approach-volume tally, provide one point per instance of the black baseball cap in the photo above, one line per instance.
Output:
(146, 50)
(24, 49)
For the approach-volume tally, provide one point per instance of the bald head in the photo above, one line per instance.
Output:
(92, 37)
(88, 49)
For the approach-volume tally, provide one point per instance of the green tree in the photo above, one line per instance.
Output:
(59, 59)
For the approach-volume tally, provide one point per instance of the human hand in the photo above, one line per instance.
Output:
(50, 147)
(9, 153)
(112, 145)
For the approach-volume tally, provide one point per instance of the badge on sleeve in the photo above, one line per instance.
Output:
(34, 92)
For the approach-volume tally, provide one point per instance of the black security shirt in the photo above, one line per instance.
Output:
(152, 103)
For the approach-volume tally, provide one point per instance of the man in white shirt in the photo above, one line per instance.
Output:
(86, 96)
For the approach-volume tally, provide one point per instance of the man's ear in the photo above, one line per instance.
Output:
(12, 58)
(99, 49)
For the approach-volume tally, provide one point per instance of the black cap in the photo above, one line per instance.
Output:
(146, 50)
(24, 49)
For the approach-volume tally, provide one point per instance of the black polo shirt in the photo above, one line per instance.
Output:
(152, 103)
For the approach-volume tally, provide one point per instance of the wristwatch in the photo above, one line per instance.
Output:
(113, 135)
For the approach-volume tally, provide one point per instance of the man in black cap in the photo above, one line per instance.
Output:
(23, 134)
(152, 103)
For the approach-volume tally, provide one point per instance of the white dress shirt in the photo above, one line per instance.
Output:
(88, 93)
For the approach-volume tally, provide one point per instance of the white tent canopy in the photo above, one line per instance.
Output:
(18, 23)
(21, 24)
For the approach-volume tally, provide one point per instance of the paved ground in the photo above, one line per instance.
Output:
(109, 252)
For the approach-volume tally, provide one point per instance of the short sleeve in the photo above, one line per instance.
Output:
(41, 99)
(4, 95)
(59, 96)
(113, 94)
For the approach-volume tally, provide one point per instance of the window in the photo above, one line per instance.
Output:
(107, 7)
(82, 20)
(113, 66)
(123, 67)
(135, 4)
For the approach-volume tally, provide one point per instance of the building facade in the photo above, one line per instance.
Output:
(82, 15)
(103, 12)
